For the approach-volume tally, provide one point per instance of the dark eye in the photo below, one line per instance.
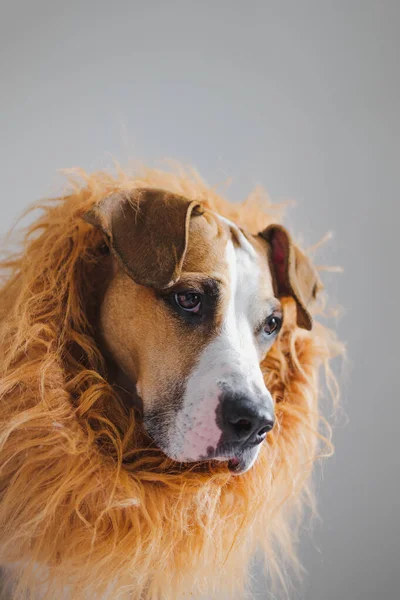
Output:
(189, 301)
(272, 324)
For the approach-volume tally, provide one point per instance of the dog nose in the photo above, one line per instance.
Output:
(245, 421)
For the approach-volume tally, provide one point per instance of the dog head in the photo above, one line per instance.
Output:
(192, 308)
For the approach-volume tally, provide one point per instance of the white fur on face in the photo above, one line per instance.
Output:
(231, 360)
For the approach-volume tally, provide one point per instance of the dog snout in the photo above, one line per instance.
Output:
(245, 421)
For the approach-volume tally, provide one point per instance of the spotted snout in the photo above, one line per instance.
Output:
(228, 422)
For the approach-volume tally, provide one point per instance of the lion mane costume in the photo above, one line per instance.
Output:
(87, 509)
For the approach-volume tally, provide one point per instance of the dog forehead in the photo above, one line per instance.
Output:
(208, 237)
(215, 241)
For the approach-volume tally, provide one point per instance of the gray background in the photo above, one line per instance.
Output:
(300, 96)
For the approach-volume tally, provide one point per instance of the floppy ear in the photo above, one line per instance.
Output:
(148, 231)
(293, 273)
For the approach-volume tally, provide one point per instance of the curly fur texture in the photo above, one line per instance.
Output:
(87, 510)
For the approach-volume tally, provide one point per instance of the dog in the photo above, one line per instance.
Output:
(159, 392)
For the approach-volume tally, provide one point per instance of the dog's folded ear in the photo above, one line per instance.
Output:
(147, 229)
(293, 273)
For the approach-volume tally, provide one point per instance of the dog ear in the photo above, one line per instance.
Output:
(293, 272)
(148, 231)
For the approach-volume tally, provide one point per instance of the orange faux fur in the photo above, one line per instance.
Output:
(85, 508)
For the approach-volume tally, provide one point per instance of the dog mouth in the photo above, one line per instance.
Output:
(239, 459)
(236, 465)
(242, 462)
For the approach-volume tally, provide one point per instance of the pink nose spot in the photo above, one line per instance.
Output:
(203, 431)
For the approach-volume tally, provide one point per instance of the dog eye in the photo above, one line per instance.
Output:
(189, 301)
(272, 324)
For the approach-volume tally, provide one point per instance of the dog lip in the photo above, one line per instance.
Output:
(224, 452)
(242, 462)
(239, 458)
(234, 450)
(236, 466)
(234, 455)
